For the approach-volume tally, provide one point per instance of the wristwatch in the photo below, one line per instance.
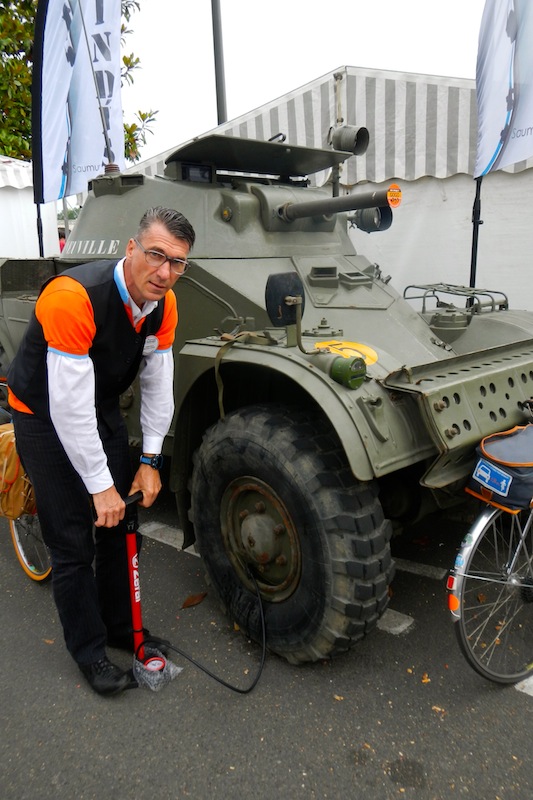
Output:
(153, 461)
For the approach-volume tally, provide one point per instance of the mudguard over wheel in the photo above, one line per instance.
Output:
(272, 495)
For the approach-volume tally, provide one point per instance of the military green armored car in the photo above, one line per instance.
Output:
(316, 407)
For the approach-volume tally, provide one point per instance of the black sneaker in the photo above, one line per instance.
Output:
(105, 677)
(124, 641)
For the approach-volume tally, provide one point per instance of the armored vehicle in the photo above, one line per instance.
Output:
(317, 408)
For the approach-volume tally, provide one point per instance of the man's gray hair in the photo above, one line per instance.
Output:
(174, 221)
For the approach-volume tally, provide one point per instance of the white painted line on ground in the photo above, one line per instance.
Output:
(166, 534)
(525, 686)
(394, 622)
(426, 570)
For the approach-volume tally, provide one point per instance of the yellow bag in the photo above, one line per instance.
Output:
(16, 491)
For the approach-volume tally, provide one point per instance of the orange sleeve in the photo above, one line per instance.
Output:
(169, 322)
(66, 315)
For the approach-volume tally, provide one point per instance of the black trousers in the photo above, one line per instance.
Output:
(89, 565)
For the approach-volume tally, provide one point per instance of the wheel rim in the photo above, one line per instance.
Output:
(31, 551)
(258, 533)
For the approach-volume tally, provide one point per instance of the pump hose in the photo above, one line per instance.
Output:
(207, 671)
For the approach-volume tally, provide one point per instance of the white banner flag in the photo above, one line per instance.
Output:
(76, 105)
(504, 85)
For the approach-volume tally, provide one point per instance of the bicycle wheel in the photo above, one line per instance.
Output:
(31, 551)
(492, 582)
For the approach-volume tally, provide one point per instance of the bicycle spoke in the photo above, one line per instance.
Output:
(496, 597)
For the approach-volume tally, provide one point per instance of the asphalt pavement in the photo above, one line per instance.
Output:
(400, 716)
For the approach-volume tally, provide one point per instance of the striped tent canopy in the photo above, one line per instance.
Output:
(419, 125)
(15, 173)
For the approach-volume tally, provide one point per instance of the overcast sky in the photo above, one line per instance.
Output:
(274, 47)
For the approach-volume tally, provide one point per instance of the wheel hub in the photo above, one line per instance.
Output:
(261, 536)
(258, 533)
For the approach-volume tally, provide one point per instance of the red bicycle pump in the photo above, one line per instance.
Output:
(152, 663)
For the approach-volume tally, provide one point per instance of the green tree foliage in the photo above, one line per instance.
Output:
(17, 19)
(16, 40)
(134, 132)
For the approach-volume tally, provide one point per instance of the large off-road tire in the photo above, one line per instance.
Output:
(272, 494)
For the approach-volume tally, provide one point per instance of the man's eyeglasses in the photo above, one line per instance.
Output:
(156, 259)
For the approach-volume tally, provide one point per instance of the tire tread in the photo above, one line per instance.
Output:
(356, 533)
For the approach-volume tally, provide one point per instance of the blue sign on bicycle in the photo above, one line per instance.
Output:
(492, 477)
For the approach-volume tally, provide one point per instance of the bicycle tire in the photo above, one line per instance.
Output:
(493, 607)
(31, 551)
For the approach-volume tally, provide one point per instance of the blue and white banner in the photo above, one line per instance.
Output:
(76, 104)
(504, 85)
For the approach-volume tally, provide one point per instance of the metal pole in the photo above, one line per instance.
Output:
(476, 222)
(40, 230)
(65, 218)
(219, 62)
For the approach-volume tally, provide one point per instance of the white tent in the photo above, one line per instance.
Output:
(423, 135)
(18, 214)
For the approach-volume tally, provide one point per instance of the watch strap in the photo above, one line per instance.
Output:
(156, 462)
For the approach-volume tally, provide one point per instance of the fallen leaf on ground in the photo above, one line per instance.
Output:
(194, 599)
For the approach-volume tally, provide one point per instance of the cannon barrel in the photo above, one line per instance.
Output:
(390, 197)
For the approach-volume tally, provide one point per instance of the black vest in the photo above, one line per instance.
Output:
(116, 350)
